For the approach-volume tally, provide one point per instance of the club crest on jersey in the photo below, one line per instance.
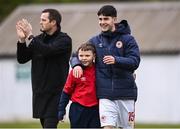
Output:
(119, 44)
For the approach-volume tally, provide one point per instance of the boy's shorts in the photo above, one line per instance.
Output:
(84, 117)
(117, 113)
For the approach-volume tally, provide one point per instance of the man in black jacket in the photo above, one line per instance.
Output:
(49, 53)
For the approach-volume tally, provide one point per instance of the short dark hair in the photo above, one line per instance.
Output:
(54, 15)
(107, 10)
(87, 47)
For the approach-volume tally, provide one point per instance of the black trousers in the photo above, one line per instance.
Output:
(84, 117)
(49, 122)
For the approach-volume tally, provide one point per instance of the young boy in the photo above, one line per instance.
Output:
(84, 111)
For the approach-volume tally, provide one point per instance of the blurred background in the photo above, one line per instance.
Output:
(155, 24)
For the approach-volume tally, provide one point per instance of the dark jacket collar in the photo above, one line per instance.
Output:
(121, 28)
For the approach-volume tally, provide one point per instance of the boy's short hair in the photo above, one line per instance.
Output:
(107, 10)
(87, 47)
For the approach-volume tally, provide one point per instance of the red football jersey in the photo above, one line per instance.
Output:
(83, 89)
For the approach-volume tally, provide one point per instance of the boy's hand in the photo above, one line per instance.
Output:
(77, 71)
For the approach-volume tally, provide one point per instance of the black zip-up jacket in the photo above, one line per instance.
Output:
(50, 56)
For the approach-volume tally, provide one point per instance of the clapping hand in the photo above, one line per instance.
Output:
(27, 28)
(23, 29)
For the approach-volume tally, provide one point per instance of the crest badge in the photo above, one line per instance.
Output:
(119, 44)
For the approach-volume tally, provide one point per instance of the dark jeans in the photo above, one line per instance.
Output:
(49, 122)
(84, 117)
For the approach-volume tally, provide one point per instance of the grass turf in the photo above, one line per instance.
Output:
(66, 125)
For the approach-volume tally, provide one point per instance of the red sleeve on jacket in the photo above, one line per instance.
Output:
(70, 83)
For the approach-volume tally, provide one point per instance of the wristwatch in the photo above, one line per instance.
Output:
(30, 37)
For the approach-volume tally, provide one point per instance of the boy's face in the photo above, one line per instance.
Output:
(86, 57)
(107, 23)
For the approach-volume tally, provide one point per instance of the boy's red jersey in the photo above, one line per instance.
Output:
(83, 89)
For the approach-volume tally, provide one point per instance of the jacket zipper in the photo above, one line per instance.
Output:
(111, 70)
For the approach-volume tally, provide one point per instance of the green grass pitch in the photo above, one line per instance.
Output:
(19, 124)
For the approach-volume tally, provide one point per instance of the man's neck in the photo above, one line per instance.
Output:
(52, 31)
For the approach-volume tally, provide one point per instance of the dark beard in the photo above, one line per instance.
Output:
(42, 30)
